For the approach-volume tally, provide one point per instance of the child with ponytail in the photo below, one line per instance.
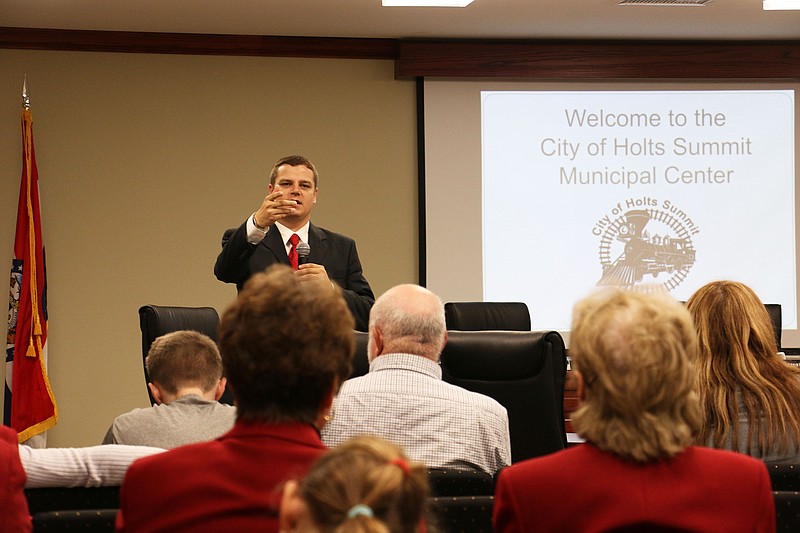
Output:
(365, 485)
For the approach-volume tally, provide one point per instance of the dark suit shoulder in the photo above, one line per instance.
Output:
(326, 233)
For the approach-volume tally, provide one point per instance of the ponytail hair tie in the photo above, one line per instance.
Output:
(360, 509)
(402, 464)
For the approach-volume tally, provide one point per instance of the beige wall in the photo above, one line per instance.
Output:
(145, 159)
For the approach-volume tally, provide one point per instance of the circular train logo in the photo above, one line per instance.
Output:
(646, 246)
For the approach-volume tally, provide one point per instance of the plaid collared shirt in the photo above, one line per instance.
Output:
(404, 400)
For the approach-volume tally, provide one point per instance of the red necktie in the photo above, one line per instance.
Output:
(293, 240)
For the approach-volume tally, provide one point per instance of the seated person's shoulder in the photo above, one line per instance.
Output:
(711, 461)
(176, 459)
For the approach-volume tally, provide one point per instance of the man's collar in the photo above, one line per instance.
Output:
(406, 361)
(286, 232)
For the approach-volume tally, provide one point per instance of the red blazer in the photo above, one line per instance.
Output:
(232, 483)
(584, 489)
(14, 515)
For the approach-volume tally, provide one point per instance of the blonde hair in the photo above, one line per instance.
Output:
(371, 472)
(632, 351)
(738, 357)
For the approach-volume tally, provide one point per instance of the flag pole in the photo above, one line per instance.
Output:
(32, 243)
(26, 98)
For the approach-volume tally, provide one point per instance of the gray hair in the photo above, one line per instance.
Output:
(411, 320)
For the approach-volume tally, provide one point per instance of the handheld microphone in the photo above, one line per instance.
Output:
(303, 249)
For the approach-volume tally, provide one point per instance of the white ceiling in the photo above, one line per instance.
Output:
(525, 19)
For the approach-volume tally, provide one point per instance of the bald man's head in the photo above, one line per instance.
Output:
(407, 319)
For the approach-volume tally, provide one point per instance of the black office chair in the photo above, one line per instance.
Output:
(474, 316)
(524, 372)
(84, 509)
(784, 477)
(776, 316)
(46, 499)
(360, 357)
(787, 510)
(83, 520)
(462, 514)
(451, 482)
(157, 320)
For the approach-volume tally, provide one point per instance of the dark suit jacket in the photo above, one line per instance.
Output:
(14, 514)
(585, 489)
(232, 483)
(239, 260)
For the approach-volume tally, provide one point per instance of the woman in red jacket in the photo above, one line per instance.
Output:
(14, 515)
(638, 470)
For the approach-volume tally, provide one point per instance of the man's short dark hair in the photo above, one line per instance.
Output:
(184, 359)
(284, 345)
(293, 161)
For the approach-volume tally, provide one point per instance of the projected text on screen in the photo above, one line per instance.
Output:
(663, 190)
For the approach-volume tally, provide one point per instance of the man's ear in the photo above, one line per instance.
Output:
(155, 391)
(375, 345)
(220, 388)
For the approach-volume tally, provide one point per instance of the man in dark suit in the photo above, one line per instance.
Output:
(265, 238)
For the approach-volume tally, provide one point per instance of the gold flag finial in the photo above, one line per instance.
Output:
(26, 97)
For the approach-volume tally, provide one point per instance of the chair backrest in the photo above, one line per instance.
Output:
(46, 499)
(83, 520)
(461, 514)
(787, 510)
(524, 372)
(776, 316)
(157, 320)
(451, 482)
(360, 357)
(474, 316)
(784, 476)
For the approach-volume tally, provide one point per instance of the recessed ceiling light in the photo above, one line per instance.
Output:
(781, 5)
(426, 3)
(663, 2)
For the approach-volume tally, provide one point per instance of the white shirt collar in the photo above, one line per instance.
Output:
(286, 233)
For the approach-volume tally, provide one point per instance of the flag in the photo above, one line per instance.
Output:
(30, 407)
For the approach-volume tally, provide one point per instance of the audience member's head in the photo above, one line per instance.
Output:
(364, 485)
(181, 361)
(286, 347)
(731, 320)
(407, 319)
(737, 364)
(632, 351)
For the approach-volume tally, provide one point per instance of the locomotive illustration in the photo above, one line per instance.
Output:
(645, 254)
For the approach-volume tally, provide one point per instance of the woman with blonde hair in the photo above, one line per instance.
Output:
(638, 469)
(364, 485)
(749, 394)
